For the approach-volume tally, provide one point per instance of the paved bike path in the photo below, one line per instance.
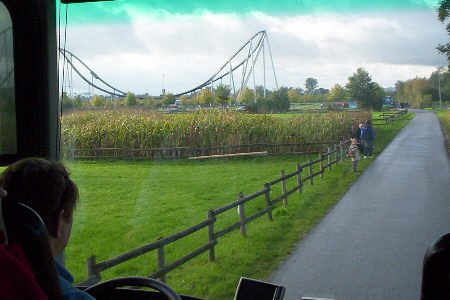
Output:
(372, 243)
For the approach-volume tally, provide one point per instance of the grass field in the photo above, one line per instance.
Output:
(126, 204)
(444, 115)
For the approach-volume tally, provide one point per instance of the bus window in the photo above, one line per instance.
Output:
(8, 133)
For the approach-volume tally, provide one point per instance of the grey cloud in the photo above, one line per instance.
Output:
(189, 52)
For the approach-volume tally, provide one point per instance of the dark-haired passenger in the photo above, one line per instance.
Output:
(46, 187)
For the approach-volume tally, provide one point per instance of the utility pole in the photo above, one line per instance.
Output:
(439, 83)
(163, 89)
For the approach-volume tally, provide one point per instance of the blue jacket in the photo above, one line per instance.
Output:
(367, 133)
(68, 290)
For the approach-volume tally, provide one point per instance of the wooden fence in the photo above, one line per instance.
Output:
(186, 152)
(390, 116)
(332, 156)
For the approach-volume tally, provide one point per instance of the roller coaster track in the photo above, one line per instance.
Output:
(66, 53)
(251, 51)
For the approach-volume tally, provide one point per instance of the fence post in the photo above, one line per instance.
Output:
(211, 235)
(242, 215)
(283, 188)
(329, 158)
(299, 178)
(269, 211)
(341, 150)
(321, 164)
(310, 172)
(91, 269)
(335, 154)
(161, 261)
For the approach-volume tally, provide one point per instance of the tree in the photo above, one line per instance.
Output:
(247, 96)
(260, 91)
(361, 88)
(338, 93)
(97, 101)
(130, 100)
(380, 94)
(222, 94)
(280, 99)
(184, 100)
(77, 102)
(149, 101)
(293, 95)
(443, 12)
(311, 85)
(169, 99)
(206, 97)
(66, 101)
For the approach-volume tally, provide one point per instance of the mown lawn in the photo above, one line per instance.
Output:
(126, 204)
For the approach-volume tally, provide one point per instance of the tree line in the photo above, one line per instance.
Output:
(424, 91)
(360, 88)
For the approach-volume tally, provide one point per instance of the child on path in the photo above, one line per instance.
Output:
(354, 154)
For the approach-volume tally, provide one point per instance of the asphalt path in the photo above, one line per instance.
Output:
(372, 243)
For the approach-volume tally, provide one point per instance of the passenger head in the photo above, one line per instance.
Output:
(361, 126)
(368, 122)
(44, 186)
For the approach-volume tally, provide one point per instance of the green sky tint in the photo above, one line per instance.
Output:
(118, 11)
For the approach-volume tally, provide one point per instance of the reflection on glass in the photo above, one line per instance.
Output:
(8, 137)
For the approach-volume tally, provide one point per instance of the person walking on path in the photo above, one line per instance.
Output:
(353, 152)
(367, 137)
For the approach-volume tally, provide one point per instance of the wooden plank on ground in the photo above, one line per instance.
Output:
(230, 155)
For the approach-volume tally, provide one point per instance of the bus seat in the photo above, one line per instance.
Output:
(17, 280)
(436, 270)
(23, 228)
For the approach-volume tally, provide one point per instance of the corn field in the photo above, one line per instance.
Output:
(134, 129)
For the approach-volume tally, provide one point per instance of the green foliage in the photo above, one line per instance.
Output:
(149, 101)
(311, 85)
(361, 88)
(169, 99)
(130, 100)
(77, 102)
(206, 97)
(279, 100)
(380, 94)
(443, 13)
(222, 94)
(260, 91)
(184, 100)
(293, 95)
(247, 96)
(117, 103)
(97, 101)
(150, 129)
(338, 93)
(422, 90)
(66, 101)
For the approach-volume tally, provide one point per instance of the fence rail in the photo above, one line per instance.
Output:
(330, 156)
(390, 116)
(193, 152)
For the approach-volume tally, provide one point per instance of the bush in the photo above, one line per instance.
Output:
(130, 100)
(97, 101)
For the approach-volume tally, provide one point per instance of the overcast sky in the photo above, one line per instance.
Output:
(132, 43)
